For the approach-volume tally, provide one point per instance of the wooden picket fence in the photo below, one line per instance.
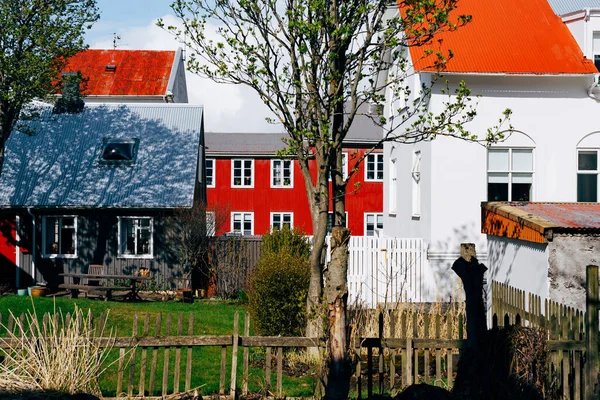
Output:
(573, 359)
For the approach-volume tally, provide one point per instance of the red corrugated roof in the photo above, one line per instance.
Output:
(137, 73)
(507, 37)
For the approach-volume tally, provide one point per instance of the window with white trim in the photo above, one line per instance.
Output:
(282, 174)
(588, 173)
(596, 49)
(373, 223)
(210, 172)
(344, 166)
(416, 184)
(279, 220)
(510, 174)
(135, 237)
(242, 223)
(59, 236)
(374, 167)
(330, 221)
(393, 187)
(242, 173)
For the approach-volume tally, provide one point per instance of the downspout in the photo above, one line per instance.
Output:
(33, 270)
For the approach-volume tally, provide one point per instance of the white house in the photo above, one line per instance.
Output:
(514, 54)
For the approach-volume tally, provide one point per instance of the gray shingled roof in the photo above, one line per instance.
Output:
(362, 131)
(58, 166)
(562, 7)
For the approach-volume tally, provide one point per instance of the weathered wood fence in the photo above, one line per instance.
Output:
(573, 359)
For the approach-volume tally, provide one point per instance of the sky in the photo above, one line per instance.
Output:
(227, 108)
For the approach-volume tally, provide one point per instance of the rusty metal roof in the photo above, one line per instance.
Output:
(507, 37)
(123, 72)
(521, 220)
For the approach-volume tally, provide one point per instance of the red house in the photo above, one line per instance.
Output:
(258, 190)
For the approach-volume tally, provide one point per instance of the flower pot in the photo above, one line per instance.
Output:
(37, 291)
(185, 295)
(21, 292)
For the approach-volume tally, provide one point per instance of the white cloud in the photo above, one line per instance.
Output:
(228, 108)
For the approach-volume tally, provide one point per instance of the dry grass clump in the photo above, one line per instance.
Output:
(59, 354)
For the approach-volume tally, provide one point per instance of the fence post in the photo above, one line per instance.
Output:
(591, 333)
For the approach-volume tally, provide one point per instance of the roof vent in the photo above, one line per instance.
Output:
(119, 151)
(110, 68)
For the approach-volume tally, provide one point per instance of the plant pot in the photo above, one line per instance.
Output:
(185, 295)
(37, 291)
(22, 292)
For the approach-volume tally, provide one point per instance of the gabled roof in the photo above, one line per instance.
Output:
(562, 7)
(124, 72)
(59, 164)
(507, 37)
(537, 222)
(362, 132)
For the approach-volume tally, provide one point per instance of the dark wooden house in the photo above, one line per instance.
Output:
(98, 187)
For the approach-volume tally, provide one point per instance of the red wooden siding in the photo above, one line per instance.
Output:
(262, 199)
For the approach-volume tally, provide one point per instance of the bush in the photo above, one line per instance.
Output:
(279, 284)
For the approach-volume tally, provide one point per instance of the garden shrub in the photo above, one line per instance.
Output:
(279, 284)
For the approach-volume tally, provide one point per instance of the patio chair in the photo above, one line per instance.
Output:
(96, 269)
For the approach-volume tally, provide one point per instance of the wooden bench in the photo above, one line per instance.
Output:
(75, 288)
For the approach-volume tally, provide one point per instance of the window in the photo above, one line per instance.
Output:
(118, 151)
(374, 170)
(416, 184)
(344, 166)
(587, 175)
(135, 237)
(279, 220)
(242, 173)
(373, 224)
(242, 223)
(59, 236)
(330, 221)
(510, 174)
(596, 49)
(282, 173)
(210, 172)
(393, 186)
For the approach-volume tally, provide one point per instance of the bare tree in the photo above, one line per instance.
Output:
(315, 64)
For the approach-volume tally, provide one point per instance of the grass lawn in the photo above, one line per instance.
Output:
(210, 318)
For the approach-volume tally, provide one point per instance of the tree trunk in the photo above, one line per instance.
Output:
(336, 297)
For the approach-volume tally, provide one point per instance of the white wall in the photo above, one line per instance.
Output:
(517, 263)
(552, 113)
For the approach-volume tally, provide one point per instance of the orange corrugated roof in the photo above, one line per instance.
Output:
(507, 37)
(137, 73)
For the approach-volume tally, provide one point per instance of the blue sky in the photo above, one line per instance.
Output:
(227, 108)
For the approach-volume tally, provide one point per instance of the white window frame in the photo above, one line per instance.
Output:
(136, 226)
(282, 184)
(330, 218)
(393, 185)
(243, 174)
(588, 171)
(376, 227)
(416, 184)
(510, 171)
(376, 169)
(344, 166)
(282, 214)
(242, 214)
(214, 173)
(60, 225)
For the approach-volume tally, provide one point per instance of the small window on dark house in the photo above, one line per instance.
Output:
(119, 151)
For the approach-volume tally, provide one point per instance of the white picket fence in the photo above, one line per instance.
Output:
(386, 270)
